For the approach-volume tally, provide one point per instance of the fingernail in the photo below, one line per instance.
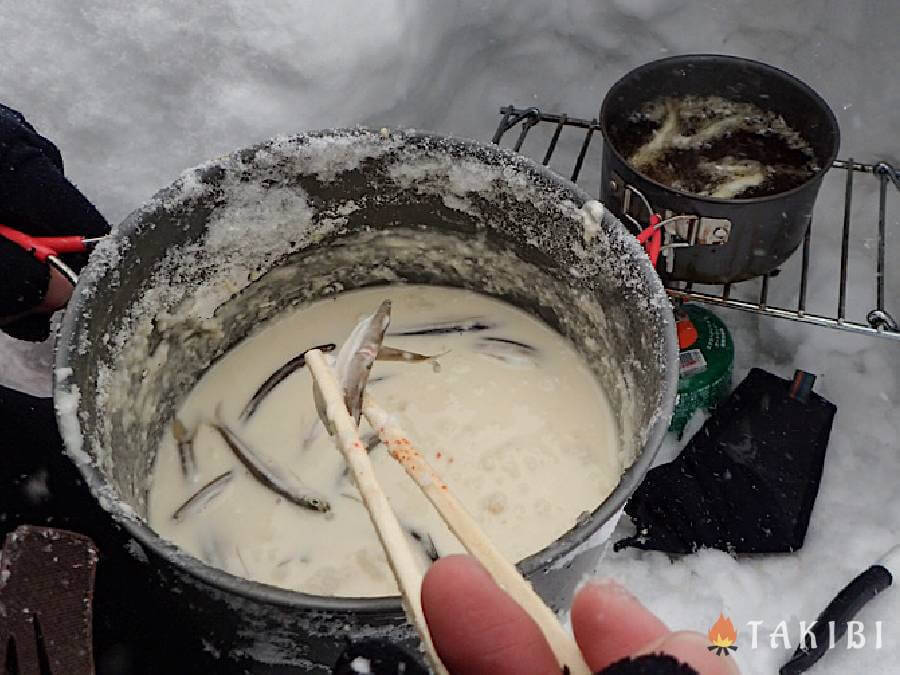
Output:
(469, 561)
(610, 585)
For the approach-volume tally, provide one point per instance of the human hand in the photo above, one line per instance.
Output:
(36, 198)
(477, 628)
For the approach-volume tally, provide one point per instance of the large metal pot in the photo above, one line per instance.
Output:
(728, 239)
(181, 282)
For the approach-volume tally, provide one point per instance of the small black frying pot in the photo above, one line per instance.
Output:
(727, 240)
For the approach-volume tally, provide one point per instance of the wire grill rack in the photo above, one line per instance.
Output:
(753, 295)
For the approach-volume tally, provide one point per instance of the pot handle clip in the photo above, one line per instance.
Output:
(47, 249)
(651, 236)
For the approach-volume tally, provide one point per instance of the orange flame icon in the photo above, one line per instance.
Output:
(722, 635)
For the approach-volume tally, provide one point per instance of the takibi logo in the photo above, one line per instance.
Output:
(723, 636)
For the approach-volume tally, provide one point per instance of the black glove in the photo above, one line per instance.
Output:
(380, 657)
(36, 198)
(649, 664)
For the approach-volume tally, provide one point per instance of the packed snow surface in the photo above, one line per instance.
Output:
(132, 96)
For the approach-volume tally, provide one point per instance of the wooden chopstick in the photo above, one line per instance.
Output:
(454, 514)
(473, 537)
(400, 556)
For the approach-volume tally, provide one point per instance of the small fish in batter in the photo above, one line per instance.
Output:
(204, 496)
(425, 541)
(508, 351)
(365, 343)
(277, 378)
(270, 476)
(472, 325)
(512, 343)
(186, 456)
(404, 356)
(353, 364)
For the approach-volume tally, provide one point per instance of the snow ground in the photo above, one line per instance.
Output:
(135, 93)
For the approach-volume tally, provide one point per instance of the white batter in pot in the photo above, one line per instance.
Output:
(511, 417)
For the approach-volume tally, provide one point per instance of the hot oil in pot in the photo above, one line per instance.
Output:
(713, 147)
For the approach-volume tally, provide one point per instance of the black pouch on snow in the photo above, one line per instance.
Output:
(747, 481)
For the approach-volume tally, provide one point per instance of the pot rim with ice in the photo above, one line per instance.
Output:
(102, 325)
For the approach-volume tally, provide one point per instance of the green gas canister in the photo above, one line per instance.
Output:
(706, 362)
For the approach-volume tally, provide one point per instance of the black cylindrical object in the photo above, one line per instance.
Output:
(247, 237)
(734, 239)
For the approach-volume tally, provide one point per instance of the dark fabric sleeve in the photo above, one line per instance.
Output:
(649, 664)
(380, 657)
(23, 280)
(36, 198)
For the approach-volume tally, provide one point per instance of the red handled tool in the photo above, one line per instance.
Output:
(47, 249)
(651, 238)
